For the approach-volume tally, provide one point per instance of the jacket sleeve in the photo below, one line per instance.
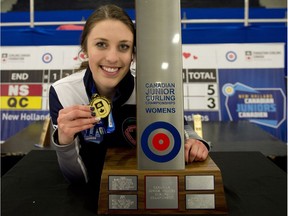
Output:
(190, 133)
(68, 156)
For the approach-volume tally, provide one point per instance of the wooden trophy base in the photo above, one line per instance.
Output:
(124, 189)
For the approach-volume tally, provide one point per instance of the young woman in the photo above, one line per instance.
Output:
(82, 134)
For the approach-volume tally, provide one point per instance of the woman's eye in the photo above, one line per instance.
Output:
(101, 45)
(124, 47)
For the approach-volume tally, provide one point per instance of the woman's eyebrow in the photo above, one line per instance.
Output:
(102, 39)
(126, 41)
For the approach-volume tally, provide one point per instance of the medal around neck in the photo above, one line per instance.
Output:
(102, 105)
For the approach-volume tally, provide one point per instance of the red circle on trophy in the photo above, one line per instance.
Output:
(161, 141)
(158, 146)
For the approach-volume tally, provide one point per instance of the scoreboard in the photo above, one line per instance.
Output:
(200, 85)
(28, 89)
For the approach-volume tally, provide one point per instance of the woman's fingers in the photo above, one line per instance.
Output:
(195, 150)
(74, 119)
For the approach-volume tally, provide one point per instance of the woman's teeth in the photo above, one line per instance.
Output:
(109, 69)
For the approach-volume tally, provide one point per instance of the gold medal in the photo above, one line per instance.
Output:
(102, 105)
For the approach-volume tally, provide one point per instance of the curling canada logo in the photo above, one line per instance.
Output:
(47, 58)
(231, 56)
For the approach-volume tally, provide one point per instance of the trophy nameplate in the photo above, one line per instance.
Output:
(161, 192)
(122, 202)
(200, 201)
(197, 182)
(128, 183)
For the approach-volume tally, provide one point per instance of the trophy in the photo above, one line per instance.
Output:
(157, 181)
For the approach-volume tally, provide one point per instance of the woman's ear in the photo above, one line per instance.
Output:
(134, 49)
(83, 56)
(133, 56)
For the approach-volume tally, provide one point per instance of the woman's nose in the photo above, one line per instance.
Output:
(112, 55)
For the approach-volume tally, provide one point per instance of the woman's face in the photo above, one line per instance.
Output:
(109, 50)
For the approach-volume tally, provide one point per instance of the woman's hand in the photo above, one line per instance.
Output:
(195, 150)
(74, 119)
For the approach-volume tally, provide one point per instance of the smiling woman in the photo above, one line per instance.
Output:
(94, 108)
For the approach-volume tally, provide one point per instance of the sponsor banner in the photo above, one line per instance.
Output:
(259, 105)
(221, 82)
(205, 116)
(200, 56)
(231, 82)
(257, 95)
(13, 121)
(40, 57)
(268, 55)
(251, 56)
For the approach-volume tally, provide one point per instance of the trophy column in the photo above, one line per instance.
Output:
(160, 121)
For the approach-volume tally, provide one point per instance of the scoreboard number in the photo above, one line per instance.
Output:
(201, 96)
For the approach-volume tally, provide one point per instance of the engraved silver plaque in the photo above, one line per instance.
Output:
(161, 192)
(124, 201)
(123, 183)
(205, 182)
(200, 201)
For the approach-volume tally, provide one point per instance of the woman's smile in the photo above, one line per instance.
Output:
(110, 70)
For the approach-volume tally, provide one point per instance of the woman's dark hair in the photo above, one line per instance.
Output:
(104, 12)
